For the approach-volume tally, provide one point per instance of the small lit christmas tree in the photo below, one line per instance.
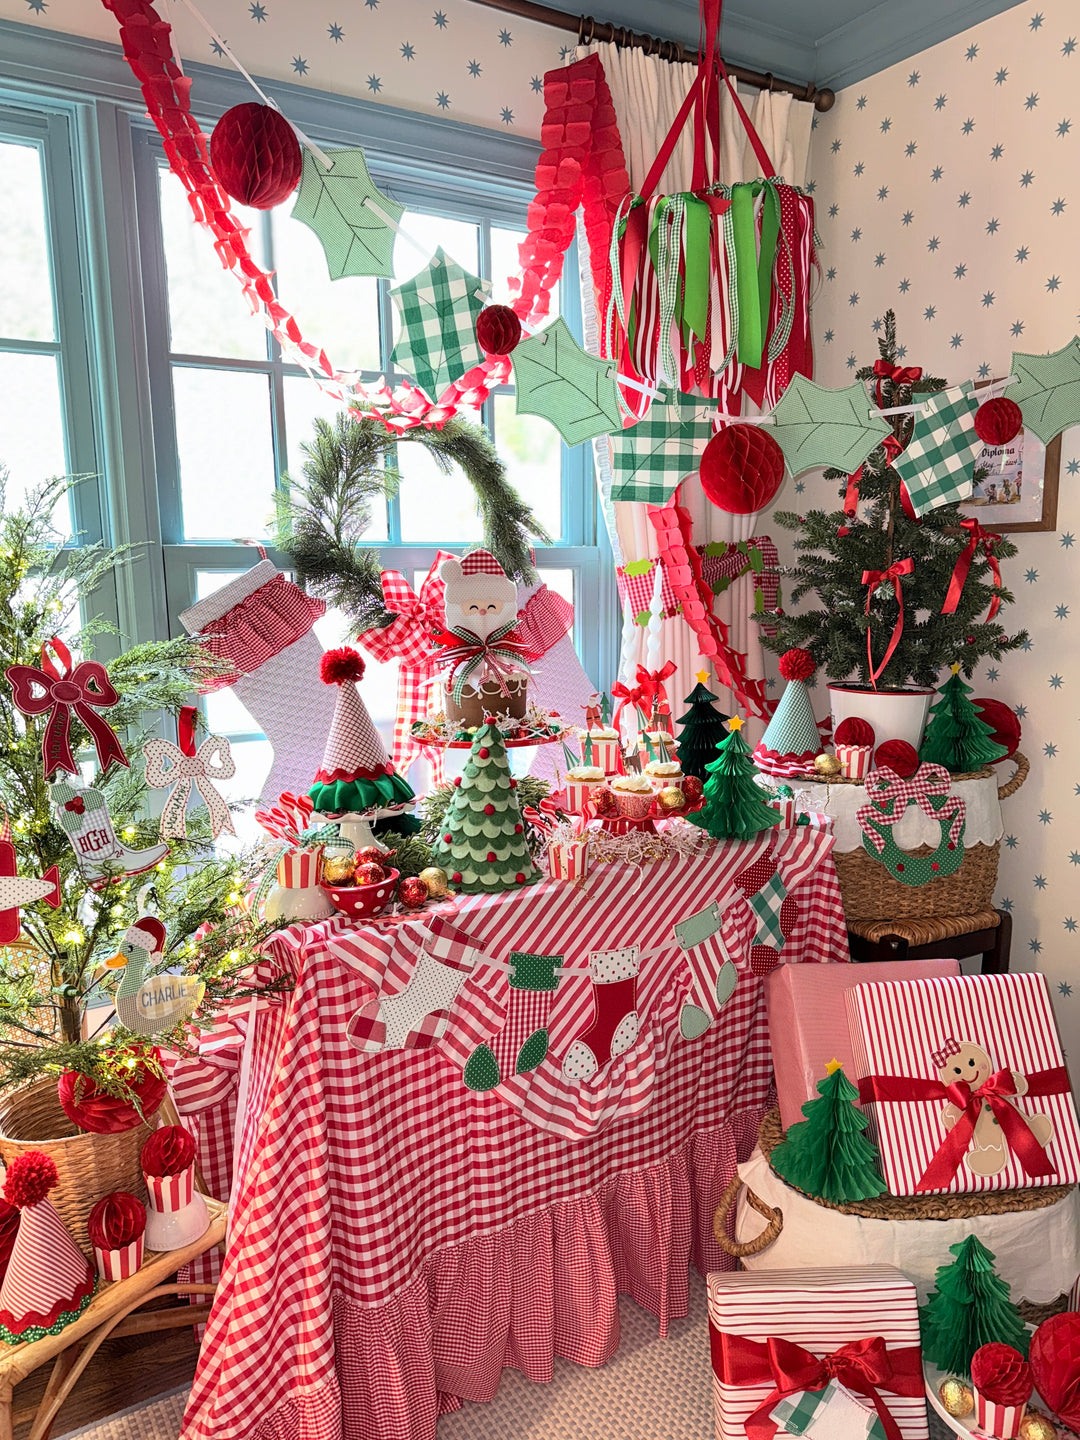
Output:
(969, 1308)
(703, 728)
(735, 807)
(957, 736)
(827, 1155)
(483, 846)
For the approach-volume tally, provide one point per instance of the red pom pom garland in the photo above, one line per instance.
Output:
(498, 330)
(854, 731)
(742, 468)
(899, 756)
(337, 667)
(797, 665)
(998, 421)
(30, 1177)
(255, 155)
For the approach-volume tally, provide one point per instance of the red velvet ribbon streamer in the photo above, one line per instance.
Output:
(185, 727)
(994, 1092)
(898, 374)
(865, 1366)
(892, 447)
(84, 689)
(976, 536)
(872, 579)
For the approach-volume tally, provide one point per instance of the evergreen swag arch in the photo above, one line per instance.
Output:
(349, 463)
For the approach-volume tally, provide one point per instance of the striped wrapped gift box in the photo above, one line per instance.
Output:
(910, 1041)
(819, 1311)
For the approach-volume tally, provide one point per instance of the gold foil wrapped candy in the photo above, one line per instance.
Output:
(338, 869)
(436, 881)
(827, 765)
(956, 1397)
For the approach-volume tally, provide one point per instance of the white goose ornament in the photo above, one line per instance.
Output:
(159, 1002)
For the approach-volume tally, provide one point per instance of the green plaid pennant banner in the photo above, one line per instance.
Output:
(652, 456)
(833, 1413)
(939, 462)
(438, 310)
(766, 906)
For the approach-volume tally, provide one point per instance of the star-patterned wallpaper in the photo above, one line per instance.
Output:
(948, 187)
(444, 57)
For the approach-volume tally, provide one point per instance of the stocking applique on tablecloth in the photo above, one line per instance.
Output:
(773, 908)
(712, 971)
(615, 1021)
(414, 1018)
(522, 1044)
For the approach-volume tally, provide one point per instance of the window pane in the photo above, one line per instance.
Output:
(31, 424)
(26, 305)
(435, 507)
(224, 443)
(532, 453)
(340, 316)
(459, 238)
(561, 581)
(208, 314)
(304, 402)
(505, 262)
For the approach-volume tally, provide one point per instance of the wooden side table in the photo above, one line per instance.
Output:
(987, 933)
(108, 1314)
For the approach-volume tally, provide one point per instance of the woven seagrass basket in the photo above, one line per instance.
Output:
(871, 893)
(88, 1166)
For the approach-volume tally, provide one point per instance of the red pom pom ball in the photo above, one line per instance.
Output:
(899, 756)
(498, 330)
(998, 421)
(30, 1177)
(854, 731)
(797, 665)
(169, 1151)
(1003, 722)
(255, 155)
(339, 666)
(116, 1220)
(742, 469)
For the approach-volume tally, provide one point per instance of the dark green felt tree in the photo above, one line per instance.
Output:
(703, 728)
(735, 806)
(482, 846)
(969, 1308)
(827, 1155)
(957, 735)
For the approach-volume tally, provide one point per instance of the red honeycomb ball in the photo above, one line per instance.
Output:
(255, 155)
(854, 731)
(899, 756)
(1003, 722)
(498, 330)
(742, 469)
(998, 421)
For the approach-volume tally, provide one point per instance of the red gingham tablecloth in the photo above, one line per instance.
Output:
(398, 1239)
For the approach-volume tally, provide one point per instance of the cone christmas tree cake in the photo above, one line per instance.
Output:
(482, 847)
(356, 774)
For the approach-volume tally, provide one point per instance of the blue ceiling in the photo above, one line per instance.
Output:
(831, 42)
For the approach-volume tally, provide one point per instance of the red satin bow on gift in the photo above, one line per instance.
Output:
(976, 535)
(898, 374)
(864, 1366)
(994, 1092)
(874, 578)
(651, 685)
(84, 689)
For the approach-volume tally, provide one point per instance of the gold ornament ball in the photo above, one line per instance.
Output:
(827, 765)
(338, 869)
(1037, 1426)
(671, 798)
(956, 1397)
(436, 881)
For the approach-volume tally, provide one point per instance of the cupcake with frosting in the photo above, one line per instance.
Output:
(633, 795)
(580, 783)
(603, 745)
(664, 772)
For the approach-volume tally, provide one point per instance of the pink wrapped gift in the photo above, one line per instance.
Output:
(964, 1083)
(808, 1021)
(776, 1334)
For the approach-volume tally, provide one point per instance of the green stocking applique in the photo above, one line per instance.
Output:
(522, 1044)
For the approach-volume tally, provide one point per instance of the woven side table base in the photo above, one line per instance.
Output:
(928, 931)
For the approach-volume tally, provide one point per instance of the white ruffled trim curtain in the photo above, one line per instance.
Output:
(647, 93)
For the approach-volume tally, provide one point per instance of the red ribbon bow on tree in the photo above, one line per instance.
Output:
(863, 1366)
(83, 689)
(872, 579)
(898, 374)
(892, 447)
(976, 536)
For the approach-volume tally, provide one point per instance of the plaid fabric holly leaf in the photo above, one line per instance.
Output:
(653, 456)
(938, 465)
(355, 222)
(438, 310)
(1049, 390)
(559, 381)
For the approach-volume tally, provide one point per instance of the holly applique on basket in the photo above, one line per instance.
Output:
(888, 796)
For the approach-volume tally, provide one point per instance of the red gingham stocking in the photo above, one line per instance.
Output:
(522, 1043)
(615, 1023)
(775, 911)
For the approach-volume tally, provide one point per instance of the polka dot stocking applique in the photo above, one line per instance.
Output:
(615, 1024)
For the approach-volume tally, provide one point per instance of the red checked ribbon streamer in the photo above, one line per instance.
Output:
(976, 536)
(81, 690)
(996, 1093)
(872, 579)
(865, 1367)
(892, 794)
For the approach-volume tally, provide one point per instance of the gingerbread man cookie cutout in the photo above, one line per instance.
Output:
(988, 1153)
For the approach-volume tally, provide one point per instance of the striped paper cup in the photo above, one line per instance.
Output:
(568, 861)
(1001, 1421)
(578, 792)
(605, 753)
(119, 1264)
(300, 869)
(171, 1192)
(854, 760)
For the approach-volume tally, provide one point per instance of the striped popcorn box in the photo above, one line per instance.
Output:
(300, 869)
(605, 750)
(568, 860)
(786, 805)
(854, 760)
(1001, 1421)
(119, 1264)
(964, 1083)
(776, 1334)
(171, 1192)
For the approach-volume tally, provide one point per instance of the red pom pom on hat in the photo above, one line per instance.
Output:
(169, 1151)
(337, 667)
(255, 155)
(854, 731)
(998, 421)
(742, 468)
(899, 756)
(30, 1177)
(797, 665)
(498, 330)
(116, 1220)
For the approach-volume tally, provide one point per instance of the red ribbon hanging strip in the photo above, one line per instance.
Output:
(976, 536)
(872, 579)
(892, 447)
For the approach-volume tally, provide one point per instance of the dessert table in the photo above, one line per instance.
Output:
(398, 1238)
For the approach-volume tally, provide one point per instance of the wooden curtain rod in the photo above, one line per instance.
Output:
(587, 30)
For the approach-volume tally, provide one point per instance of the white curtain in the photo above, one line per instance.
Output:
(647, 93)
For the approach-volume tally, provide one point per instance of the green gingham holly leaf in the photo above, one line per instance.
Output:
(355, 222)
(557, 380)
(438, 309)
(650, 458)
(816, 426)
(1049, 389)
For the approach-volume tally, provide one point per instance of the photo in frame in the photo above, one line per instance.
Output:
(1016, 485)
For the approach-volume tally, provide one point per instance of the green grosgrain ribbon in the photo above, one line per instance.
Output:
(698, 268)
(753, 268)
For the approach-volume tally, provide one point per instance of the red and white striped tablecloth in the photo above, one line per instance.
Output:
(398, 1239)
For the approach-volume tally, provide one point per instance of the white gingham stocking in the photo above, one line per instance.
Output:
(615, 1023)
(522, 1044)
(294, 710)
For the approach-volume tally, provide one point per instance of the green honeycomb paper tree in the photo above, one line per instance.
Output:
(735, 807)
(482, 846)
(969, 1308)
(957, 735)
(703, 727)
(827, 1155)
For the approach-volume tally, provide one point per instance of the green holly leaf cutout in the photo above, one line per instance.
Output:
(355, 222)
(817, 426)
(557, 380)
(650, 458)
(438, 309)
(1049, 389)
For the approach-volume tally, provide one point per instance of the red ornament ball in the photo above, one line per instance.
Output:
(797, 665)
(412, 892)
(603, 801)
(742, 469)
(483, 752)
(692, 789)
(457, 779)
(30, 1177)
(339, 666)
(1003, 722)
(456, 877)
(369, 874)
(255, 155)
(498, 330)
(519, 878)
(491, 857)
(854, 731)
(899, 756)
(371, 855)
(998, 421)
(447, 838)
(518, 829)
